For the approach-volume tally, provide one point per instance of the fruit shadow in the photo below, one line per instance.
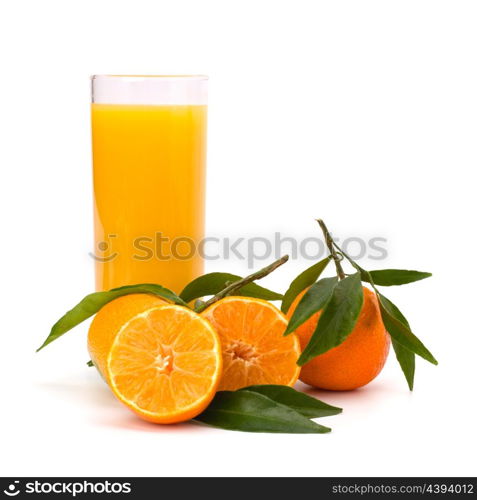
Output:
(371, 394)
(130, 422)
(109, 412)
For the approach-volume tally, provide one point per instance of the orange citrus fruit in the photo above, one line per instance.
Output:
(356, 361)
(254, 349)
(164, 363)
(109, 320)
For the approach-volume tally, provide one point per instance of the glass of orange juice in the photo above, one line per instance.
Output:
(149, 157)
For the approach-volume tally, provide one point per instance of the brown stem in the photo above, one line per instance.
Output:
(329, 243)
(236, 285)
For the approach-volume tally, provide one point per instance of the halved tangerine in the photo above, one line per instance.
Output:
(253, 346)
(111, 318)
(165, 364)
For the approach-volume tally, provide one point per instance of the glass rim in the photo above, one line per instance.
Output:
(149, 89)
(146, 77)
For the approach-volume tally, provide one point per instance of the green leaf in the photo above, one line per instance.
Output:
(213, 283)
(393, 309)
(316, 297)
(337, 320)
(390, 277)
(302, 281)
(253, 412)
(302, 403)
(401, 332)
(407, 361)
(90, 364)
(93, 302)
(405, 357)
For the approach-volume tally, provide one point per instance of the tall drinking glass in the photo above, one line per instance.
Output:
(149, 155)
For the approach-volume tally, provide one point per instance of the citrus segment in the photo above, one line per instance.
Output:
(165, 364)
(253, 346)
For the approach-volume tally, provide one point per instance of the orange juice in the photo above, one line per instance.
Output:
(149, 181)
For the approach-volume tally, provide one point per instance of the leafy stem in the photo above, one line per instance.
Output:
(337, 258)
(340, 300)
(236, 285)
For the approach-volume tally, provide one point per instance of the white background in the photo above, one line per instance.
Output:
(360, 112)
